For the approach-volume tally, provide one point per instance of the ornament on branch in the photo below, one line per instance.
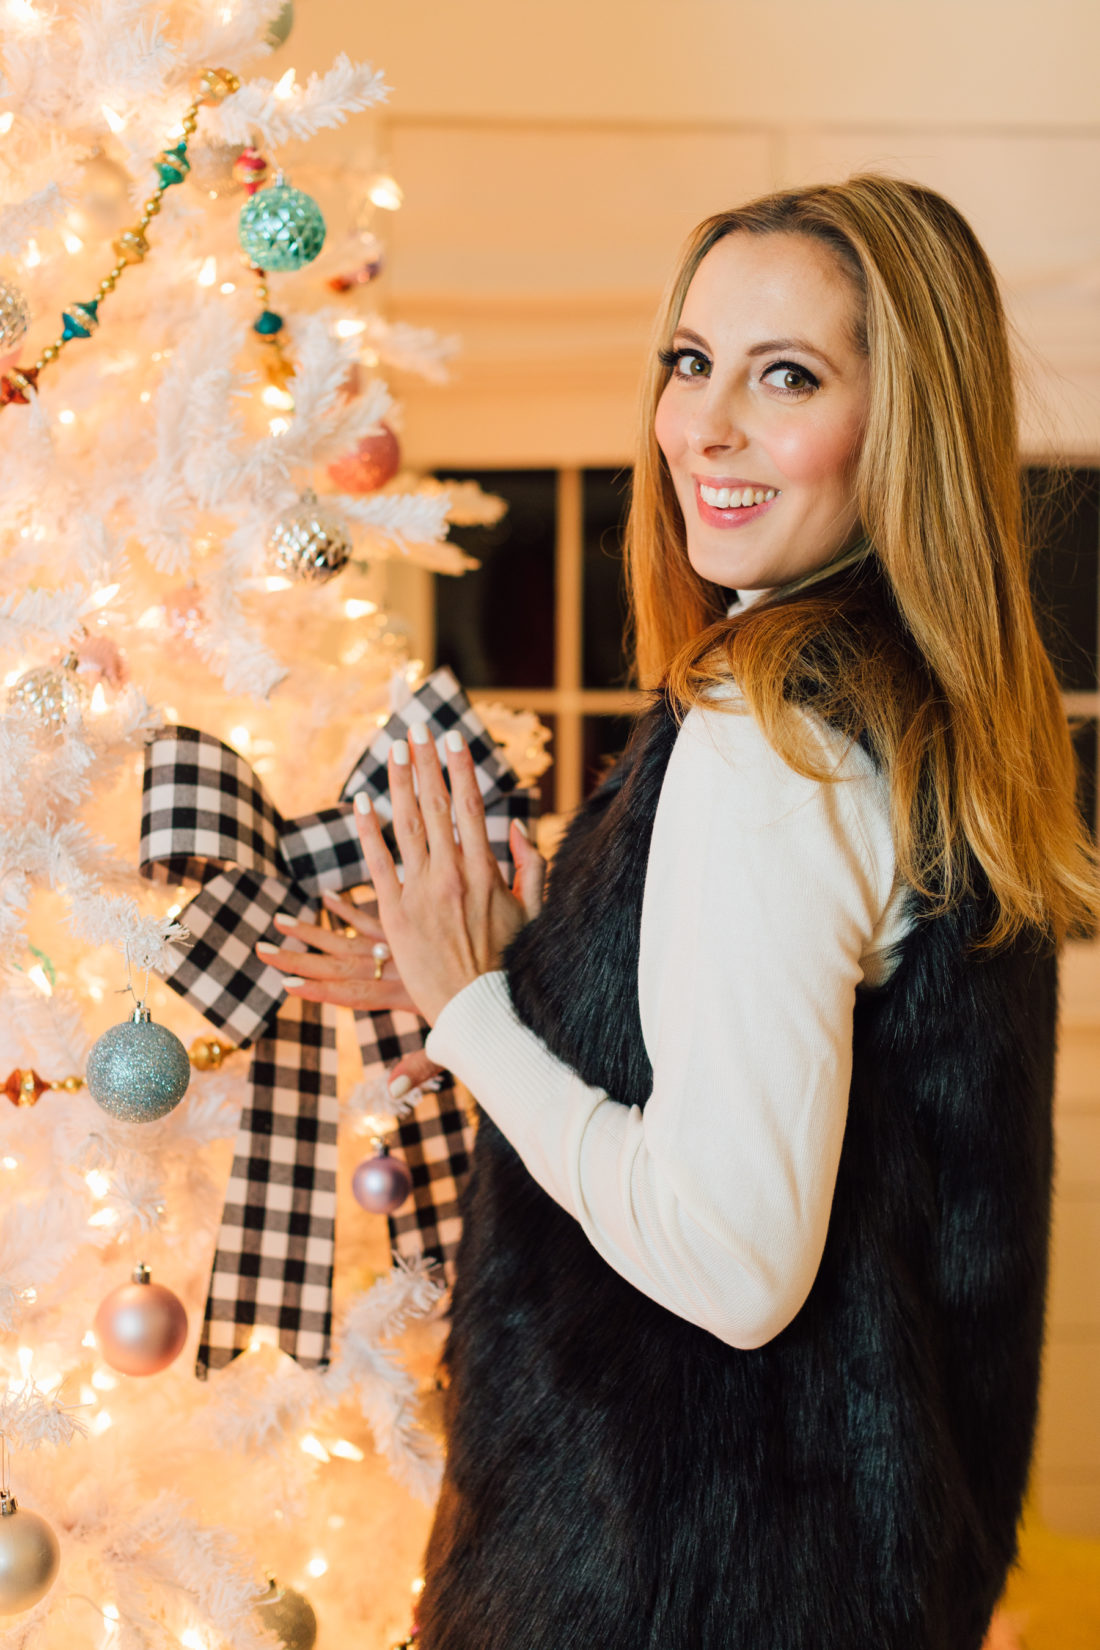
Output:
(281, 228)
(141, 1326)
(15, 315)
(278, 30)
(101, 660)
(138, 1071)
(81, 319)
(290, 1615)
(53, 696)
(214, 168)
(105, 192)
(30, 1556)
(250, 170)
(375, 460)
(382, 1183)
(309, 543)
(369, 270)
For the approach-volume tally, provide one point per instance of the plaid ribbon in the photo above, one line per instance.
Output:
(207, 819)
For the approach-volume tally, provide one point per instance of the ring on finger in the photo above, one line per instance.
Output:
(381, 954)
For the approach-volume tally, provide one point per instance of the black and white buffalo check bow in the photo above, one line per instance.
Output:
(206, 818)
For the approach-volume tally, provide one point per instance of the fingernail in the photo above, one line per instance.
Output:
(293, 979)
(400, 1086)
(522, 829)
(265, 948)
(418, 733)
(286, 922)
(454, 740)
(361, 802)
(401, 753)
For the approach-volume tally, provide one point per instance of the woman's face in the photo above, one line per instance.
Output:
(761, 420)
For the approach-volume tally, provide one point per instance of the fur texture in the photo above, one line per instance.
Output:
(618, 1479)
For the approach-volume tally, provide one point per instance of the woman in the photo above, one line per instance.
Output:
(747, 1324)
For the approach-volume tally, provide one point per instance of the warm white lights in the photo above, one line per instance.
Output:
(227, 287)
(357, 609)
(385, 191)
(350, 328)
(317, 1566)
(278, 426)
(105, 594)
(99, 700)
(310, 1445)
(66, 416)
(34, 256)
(273, 396)
(6, 120)
(39, 978)
(284, 88)
(208, 274)
(241, 738)
(114, 120)
(73, 243)
(275, 581)
(99, 1186)
(346, 1450)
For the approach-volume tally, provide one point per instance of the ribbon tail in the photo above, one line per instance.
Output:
(273, 1266)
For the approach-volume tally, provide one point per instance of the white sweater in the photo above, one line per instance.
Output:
(768, 898)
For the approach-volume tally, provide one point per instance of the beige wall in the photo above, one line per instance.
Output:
(554, 156)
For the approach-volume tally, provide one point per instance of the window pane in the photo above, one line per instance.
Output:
(605, 494)
(1064, 521)
(605, 739)
(495, 626)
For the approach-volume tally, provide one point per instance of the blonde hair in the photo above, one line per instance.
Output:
(928, 649)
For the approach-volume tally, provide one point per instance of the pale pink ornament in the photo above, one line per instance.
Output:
(141, 1327)
(376, 460)
(101, 660)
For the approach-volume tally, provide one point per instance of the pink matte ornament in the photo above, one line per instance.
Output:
(376, 460)
(102, 660)
(381, 1183)
(141, 1326)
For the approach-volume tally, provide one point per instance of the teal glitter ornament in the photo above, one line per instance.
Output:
(138, 1071)
(281, 228)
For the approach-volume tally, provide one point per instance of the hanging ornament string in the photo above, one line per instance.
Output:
(80, 320)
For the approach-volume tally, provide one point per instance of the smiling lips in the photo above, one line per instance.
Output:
(732, 505)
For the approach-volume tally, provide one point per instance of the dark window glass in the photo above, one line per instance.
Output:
(606, 495)
(605, 739)
(1063, 515)
(495, 626)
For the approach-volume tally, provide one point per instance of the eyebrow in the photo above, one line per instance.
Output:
(768, 347)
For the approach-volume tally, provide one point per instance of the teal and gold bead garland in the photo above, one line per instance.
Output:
(80, 320)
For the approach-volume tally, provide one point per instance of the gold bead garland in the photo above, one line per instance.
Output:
(131, 247)
(26, 1088)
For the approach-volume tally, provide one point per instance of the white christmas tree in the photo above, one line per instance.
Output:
(200, 488)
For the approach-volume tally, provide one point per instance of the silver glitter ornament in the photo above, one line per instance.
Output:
(53, 695)
(137, 1070)
(29, 1557)
(141, 1327)
(212, 168)
(309, 543)
(15, 315)
(289, 1614)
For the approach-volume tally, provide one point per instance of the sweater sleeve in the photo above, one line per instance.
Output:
(764, 893)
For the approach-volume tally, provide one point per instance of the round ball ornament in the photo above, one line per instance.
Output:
(138, 1070)
(290, 1615)
(309, 543)
(214, 168)
(278, 30)
(15, 315)
(29, 1557)
(281, 228)
(381, 1183)
(53, 695)
(141, 1326)
(376, 460)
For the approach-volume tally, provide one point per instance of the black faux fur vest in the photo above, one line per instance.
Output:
(618, 1479)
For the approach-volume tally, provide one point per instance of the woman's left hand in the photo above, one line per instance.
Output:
(453, 915)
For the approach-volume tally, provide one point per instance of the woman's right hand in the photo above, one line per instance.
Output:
(341, 967)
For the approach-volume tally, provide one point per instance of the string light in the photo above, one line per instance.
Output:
(241, 737)
(89, 1339)
(103, 1380)
(346, 1450)
(102, 1422)
(99, 700)
(227, 287)
(278, 426)
(6, 120)
(285, 88)
(350, 328)
(106, 593)
(73, 243)
(317, 1566)
(357, 609)
(208, 274)
(66, 416)
(115, 121)
(99, 1185)
(34, 256)
(385, 191)
(9, 1162)
(39, 978)
(313, 1446)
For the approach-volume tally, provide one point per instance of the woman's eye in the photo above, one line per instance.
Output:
(685, 363)
(792, 379)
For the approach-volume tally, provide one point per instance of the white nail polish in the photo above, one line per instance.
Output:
(401, 753)
(266, 949)
(293, 979)
(361, 802)
(522, 829)
(400, 1086)
(418, 733)
(454, 740)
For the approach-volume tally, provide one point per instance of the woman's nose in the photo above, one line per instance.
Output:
(714, 425)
